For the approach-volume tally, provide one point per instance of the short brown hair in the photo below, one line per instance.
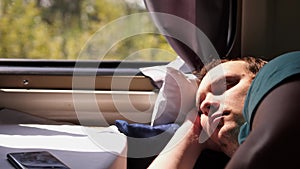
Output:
(254, 65)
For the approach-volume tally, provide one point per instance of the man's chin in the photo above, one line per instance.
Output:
(215, 128)
(214, 135)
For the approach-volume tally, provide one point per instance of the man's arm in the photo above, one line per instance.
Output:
(274, 138)
(184, 148)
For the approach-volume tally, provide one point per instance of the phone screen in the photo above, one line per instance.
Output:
(35, 160)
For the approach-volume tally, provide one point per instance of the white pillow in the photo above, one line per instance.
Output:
(158, 73)
(176, 97)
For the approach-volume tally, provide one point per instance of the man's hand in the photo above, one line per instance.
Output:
(199, 133)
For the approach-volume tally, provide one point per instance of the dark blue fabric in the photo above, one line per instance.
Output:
(143, 130)
(157, 138)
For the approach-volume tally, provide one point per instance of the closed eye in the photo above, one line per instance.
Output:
(221, 85)
(231, 82)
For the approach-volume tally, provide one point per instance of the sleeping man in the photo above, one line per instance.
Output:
(252, 117)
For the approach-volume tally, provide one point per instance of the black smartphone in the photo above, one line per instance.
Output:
(35, 160)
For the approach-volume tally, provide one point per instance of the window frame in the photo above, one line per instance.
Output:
(44, 88)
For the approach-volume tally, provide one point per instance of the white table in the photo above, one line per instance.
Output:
(77, 146)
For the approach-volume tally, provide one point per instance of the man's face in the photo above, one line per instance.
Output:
(220, 99)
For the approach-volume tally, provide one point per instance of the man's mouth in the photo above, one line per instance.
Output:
(216, 120)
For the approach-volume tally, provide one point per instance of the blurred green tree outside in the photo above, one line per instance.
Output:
(59, 29)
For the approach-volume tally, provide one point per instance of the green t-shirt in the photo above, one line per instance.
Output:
(272, 74)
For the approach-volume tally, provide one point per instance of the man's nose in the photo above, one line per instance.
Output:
(209, 105)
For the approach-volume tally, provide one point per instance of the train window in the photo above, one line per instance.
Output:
(65, 30)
